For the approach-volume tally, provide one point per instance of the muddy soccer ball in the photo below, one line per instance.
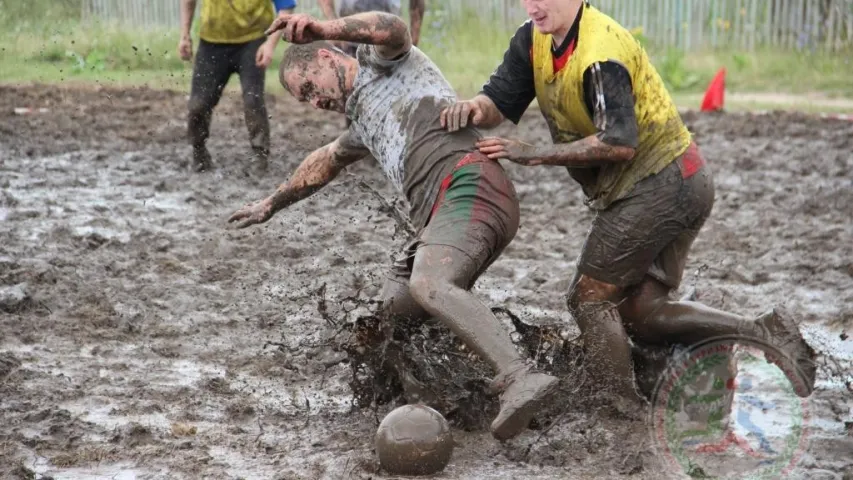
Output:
(414, 440)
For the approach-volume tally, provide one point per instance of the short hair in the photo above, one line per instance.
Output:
(300, 56)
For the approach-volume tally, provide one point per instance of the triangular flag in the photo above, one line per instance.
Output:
(715, 95)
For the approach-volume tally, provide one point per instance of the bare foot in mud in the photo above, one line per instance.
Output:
(798, 359)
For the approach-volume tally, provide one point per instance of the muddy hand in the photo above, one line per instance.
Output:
(456, 116)
(497, 148)
(297, 27)
(253, 213)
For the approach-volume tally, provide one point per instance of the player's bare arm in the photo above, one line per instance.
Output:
(609, 95)
(185, 44)
(316, 171)
(416, 17)
(480, 111)
(590, 151)
(387, 32)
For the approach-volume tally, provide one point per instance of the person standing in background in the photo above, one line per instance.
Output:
(232, 40)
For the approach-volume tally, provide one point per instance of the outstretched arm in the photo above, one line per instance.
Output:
(387, 32)
(587, 152)
(316, 171)
(608, 94)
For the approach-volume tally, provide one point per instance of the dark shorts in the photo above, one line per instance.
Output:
(476, 212)
(650, 231)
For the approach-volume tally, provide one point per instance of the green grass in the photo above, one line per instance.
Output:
(764, 70)
(62, 50)
(466, 54)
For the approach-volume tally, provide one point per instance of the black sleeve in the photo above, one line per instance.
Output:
(609, 98)
(511, 85)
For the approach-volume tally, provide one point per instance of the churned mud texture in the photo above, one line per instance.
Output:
(139, 335)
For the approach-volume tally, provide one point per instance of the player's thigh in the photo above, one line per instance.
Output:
(211, 71)
(696, 200)
(252, 77)
(477, 215)
(626, 238)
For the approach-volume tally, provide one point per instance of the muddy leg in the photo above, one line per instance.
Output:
(254, 108)
(652, 317)
(440, 280)
(211, 71)
(398, 305)
(606, 344)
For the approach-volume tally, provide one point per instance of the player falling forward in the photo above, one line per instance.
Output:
(463, 205)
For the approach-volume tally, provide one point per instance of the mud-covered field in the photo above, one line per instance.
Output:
(141, 337)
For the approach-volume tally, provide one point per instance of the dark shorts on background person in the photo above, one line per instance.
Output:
(651, 230)
(476, 211)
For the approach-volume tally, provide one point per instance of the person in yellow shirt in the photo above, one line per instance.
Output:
(616, 130)
(232, 41)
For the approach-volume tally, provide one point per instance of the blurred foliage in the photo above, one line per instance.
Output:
(27, 15)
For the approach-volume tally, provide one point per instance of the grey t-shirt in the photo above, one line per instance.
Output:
(394, 109)
(351, 7)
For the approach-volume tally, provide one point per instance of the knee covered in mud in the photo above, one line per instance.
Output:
(588, 291)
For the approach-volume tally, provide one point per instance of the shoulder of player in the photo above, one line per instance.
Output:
(523, 35)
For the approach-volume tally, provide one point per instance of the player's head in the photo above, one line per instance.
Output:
(318, 73)
(551, 16)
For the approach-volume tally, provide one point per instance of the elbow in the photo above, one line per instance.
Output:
(399, 36)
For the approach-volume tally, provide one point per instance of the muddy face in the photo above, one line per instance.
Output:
(322, 82)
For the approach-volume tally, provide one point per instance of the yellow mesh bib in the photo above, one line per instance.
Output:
(235, 21)
(662, 135)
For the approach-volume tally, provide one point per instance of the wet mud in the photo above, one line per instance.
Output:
(141, 337)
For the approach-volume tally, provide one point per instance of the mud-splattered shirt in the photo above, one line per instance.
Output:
(352, 7)
(607, 86)
(394, 109)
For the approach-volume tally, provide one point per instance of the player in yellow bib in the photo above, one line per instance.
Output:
(232, 41)
(616, 129)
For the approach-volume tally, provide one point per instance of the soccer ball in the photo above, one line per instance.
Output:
(414, 440)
